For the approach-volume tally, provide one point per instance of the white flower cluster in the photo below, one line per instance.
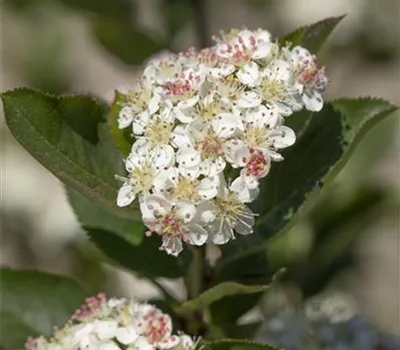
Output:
(206, 126)
(115, 324)
(333, 307)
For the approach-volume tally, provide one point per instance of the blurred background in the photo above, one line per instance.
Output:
(347, 241)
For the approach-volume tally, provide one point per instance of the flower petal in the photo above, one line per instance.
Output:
(126, 335)
(188, 157)
(205, 213)
(197, 235)
(126, 195)
(107, 346)
(172, 245)
(225, 125)
(179, 137)
(211, 167)
(133, 161)
(157, 204)
(154, 104)
(246, 192)
(263, 50)
(125, 117)
(245, 222)
(249, 74)
(185, 209)
(162, 156)
(188, 103)
(221, 232)
(236, 153)
(105, 329)
(281, 70)
(140, 122)
(282, 137)
(313, 101)
(208, 187)
(249, 99)
(142, 344)
(166, 178)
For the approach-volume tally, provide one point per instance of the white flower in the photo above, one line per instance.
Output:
(176, 186)
(241, 48)
(229, 88)
(142, 176)
(95, 335)
(276, 88)
(209, 108)
(261, 138)
(186, 343)
(213, 64)
(208, 140)
(114, 325)
(142, 102)
(173, 221)
(311, 80)
(184, 92)
(264, 115)
(255, 166)
(162, 68)
(231, 215)
(156, 327)
(155, 144)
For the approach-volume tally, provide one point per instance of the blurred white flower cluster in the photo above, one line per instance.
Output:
(115, 324)
(334, 307)
(206, 126)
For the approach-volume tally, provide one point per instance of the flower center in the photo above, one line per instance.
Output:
(168, 225)
(166, 69)
(228, 208)
(210, 111)
(256, 163)
(142, 178)
(256, 137)
(230, 87)
(211, 146)
(272, 90)
(182, 88)
(156, 326)
(311, 76)
(186, 189)
(138, 99)
(159, 132)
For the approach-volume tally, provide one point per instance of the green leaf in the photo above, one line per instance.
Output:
(227, 310)
(33, 302)
(218, 292)
(242, 331)
(116, 8)
(70, 136)
(124, 40)
(236, 344)
(91, 215)
(317, 156)
(122, 137)
(337, 228)
(146, 259)
(313, 36)
(250, 270)
(299, 121)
